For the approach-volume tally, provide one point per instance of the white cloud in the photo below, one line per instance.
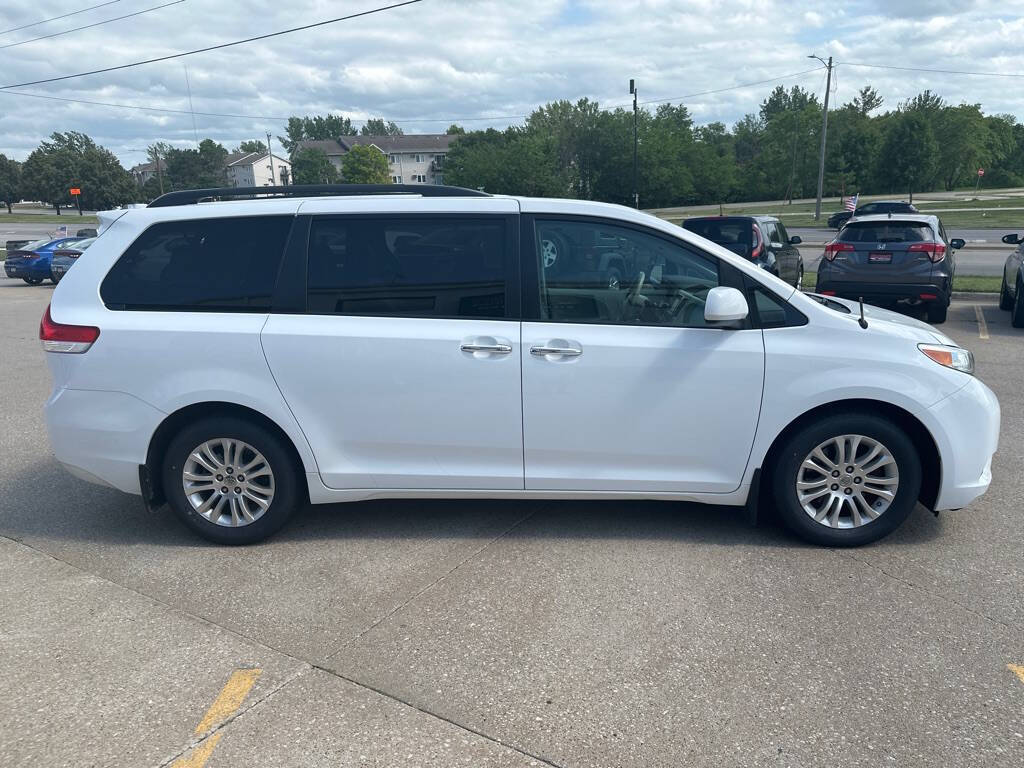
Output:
(456, 60)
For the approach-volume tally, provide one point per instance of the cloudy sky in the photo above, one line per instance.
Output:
(476, 62)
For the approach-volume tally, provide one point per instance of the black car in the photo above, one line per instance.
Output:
(837, 219)
(762, 239)
(1011, 292)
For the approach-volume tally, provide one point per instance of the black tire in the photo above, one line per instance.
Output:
(286, 495)
(1005, 299)
(33, 280)
(1017, 311)
(937, 313)
(799, 446)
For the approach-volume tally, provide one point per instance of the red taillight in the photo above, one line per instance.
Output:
(828, 293)
(936, 251)
(831, 249)
(758, 249)
(929, 296)
(58, 337)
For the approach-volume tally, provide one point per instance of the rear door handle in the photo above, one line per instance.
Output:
(502, 349)
(564, 351)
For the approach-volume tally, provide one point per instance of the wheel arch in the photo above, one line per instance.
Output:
(924, 443)
(150, 476)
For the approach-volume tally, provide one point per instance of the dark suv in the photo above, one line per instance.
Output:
(889, 260)
(762, 239)
(837, 219)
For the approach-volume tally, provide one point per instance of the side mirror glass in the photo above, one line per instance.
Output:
(957, 243)
(1011, 239)
(795, 240)
(725, 307)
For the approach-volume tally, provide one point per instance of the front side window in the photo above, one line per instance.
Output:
(226, 264)
(447, 267)
(592, 272)
(783, 235)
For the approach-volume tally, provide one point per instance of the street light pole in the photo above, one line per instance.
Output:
(824, 134)
(636, 191)
(271, 153)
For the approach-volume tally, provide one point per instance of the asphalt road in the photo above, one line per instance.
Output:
(16, 231)
(436, 633)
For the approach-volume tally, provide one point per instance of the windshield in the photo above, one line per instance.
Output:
(734, 234)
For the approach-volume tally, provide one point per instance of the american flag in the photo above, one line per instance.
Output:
(851, 203)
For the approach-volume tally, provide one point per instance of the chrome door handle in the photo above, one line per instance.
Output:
(501, 349)
(565, 351)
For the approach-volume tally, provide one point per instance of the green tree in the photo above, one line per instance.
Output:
(378, 127)
(312, 166)
(200, 168)
(455, 130)
(908, 154)
(251, 146)
(156, 153)
(314, 128)
(73, 159)
(10, 179)
(365, 165)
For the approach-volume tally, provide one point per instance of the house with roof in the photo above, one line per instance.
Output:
(257, 169)
(412, 159)
(143, 172)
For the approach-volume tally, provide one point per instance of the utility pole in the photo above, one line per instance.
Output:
(824, 133)
(271, 153)
(636, 190)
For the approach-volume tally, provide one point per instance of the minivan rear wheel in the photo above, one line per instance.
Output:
(847, 480)
(230, 480)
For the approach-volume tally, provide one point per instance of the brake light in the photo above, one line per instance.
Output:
(936, 251)
(828, 293)
(58, 337)
(831, 249)
(757, 250)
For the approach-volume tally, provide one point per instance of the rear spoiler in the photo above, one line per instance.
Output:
(106, 218)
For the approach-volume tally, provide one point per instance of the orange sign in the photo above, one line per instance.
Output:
(76, 191)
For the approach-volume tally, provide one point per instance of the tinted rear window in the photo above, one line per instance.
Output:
(408, 267)
(886, 232)
(200, 265)
(734, 234)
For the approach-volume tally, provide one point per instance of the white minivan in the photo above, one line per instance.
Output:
(237, 353)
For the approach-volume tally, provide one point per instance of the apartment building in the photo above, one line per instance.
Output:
(257, 169)
(412, 159)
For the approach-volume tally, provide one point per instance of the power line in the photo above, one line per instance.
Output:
(89, 26)
(937, 71)
(723, 90)
(213, 47)
(55, 18)
(140, 107)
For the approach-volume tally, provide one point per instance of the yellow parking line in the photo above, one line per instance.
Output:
(1017, 669)
(224, 706)
(982, 325)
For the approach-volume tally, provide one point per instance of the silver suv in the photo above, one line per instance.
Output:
(904, 259)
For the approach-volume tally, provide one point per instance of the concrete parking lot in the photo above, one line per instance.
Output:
(480, 633)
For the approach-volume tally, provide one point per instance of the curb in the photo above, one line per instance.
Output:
(975, 295)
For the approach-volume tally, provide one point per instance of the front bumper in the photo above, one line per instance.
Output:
(966, 431)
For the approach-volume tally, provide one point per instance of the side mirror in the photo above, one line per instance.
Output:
(725, 308)
(795, 240)
(957, 243)
(1011, 239)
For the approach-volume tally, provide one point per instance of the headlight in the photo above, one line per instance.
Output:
(951, 357)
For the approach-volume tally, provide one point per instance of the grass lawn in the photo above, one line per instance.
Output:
(966, 284)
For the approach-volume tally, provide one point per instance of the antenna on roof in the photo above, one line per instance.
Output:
(862, 322)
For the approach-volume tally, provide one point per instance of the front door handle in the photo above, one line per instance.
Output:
(486, 344)
(564, 351)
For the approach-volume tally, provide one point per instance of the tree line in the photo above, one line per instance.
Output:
(579, 150)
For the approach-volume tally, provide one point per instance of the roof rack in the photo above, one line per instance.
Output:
(192, 196)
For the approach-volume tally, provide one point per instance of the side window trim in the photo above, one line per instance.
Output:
(512, 270)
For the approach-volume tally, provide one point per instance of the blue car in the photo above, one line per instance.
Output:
(32, 262)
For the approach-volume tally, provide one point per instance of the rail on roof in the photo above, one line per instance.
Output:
(193, 196)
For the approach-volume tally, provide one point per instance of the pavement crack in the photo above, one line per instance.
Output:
(250, 705)
(435, 715)
(929, 592)
(431, 585)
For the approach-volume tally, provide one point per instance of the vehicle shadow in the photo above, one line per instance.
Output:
(44, 502)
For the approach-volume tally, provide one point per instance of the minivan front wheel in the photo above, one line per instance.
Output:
(230, 480)
(847, 480)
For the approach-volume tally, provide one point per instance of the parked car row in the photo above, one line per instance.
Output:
(760, 239)
(47, 259)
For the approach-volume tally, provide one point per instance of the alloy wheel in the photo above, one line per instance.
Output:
(847, 481)
(228, 482)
